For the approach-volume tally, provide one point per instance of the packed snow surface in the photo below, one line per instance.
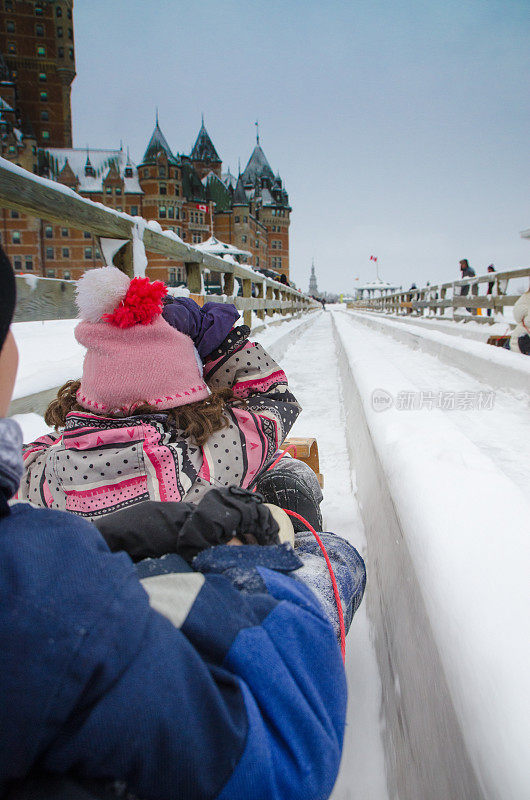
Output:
(458, 478)
(312, 370)
(49, 355)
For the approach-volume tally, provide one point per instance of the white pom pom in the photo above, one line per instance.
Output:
(99, 291)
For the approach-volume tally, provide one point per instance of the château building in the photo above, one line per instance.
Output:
(37, 45)
(188, 194)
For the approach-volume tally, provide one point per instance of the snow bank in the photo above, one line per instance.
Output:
(32, 425)
(498, 367)
(49, 355)
(465, 527)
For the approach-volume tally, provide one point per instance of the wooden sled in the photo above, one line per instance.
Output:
(306, 451)
(498, 341)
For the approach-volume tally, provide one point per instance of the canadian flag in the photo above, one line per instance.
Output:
(373, 258)
(202, 207)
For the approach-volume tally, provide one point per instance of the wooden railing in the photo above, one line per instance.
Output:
(435, 300)
(45, 199)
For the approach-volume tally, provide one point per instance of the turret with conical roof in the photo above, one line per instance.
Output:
(157, 144)
(240, 196)
(204, 156)
(258, 167)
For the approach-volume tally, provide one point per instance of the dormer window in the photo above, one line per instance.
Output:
(128, 173)
(90, 171)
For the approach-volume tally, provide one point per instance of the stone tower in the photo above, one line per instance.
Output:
(313, 288)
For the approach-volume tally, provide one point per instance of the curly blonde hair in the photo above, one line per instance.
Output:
(198, 421)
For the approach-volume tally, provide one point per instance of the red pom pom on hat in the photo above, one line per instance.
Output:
(140, 306)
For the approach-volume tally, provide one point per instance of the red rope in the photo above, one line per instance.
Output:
(333, 581)
(287, 450)
(342, 629)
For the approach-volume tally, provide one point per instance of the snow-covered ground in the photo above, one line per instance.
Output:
(454, 454)
(467, 330)
(48, 355)
(311, 367)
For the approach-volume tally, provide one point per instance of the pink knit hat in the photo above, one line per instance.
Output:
(133, 355)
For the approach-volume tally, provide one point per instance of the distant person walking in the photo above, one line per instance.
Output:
(468, 272)
(491, 284)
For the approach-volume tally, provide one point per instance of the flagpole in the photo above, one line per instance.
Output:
(375, 259)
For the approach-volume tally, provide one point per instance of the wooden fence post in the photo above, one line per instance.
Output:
(261, 294)
(270, 295)
(247, 292)
(228, 284)
(193, 277)
(123, 259)
(277, 297)
(441, 310)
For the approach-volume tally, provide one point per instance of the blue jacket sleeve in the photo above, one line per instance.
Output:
(200, 691)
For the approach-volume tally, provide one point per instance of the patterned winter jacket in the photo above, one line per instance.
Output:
(98, 465)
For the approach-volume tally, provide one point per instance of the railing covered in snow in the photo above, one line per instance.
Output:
(435, 300)
(45, 199)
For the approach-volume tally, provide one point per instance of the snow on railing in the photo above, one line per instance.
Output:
(434, 300)
(45, 199)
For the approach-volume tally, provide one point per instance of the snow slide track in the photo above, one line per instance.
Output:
(448, 591)
(501, 369)
(425, 751)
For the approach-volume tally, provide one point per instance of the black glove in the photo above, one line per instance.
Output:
(152, 529)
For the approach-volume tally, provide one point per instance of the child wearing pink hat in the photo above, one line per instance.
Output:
(151, 419)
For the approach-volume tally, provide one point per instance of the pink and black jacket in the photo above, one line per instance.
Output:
(98, 465)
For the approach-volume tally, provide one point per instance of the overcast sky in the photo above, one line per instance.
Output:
(400, 127)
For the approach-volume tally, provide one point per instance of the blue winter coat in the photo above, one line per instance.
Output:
(199, 691)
